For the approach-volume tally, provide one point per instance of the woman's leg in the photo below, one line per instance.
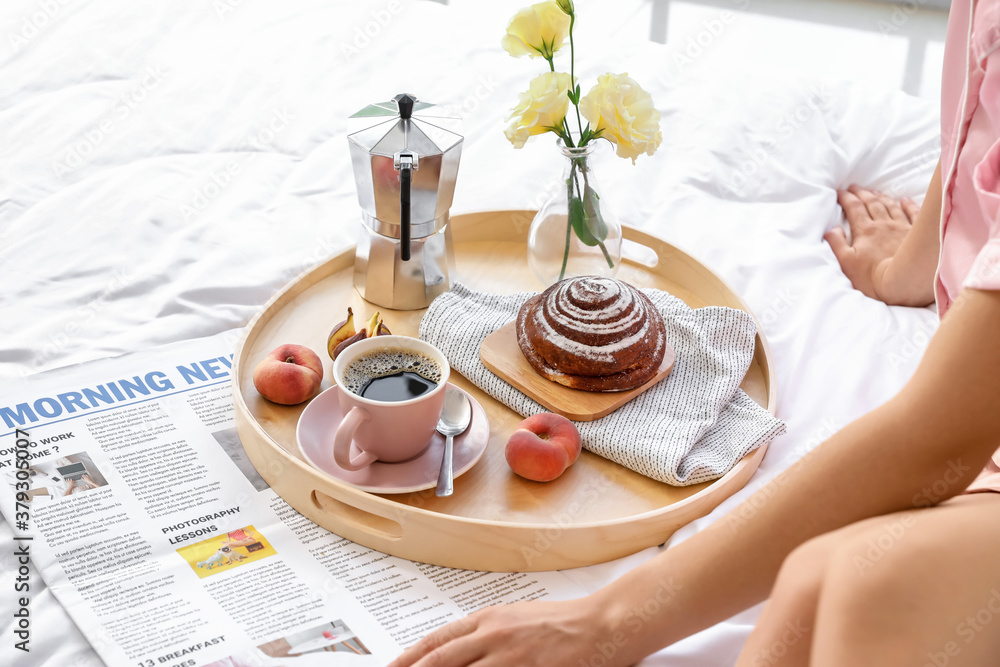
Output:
(784, 632)
(923, 592)
(776, 640)
(852, 567)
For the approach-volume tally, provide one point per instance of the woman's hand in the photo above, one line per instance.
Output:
(879, 224)
(525, 634)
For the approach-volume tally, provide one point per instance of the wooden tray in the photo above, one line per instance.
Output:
(501, 354)
(595, 512)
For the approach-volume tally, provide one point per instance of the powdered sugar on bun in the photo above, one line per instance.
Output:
(592, 327)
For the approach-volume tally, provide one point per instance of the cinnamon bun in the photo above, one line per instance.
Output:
(592, 333)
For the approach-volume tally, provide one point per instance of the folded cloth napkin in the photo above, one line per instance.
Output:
(691, 427)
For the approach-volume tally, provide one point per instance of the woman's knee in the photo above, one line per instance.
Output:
(802, 572)
(872, 575)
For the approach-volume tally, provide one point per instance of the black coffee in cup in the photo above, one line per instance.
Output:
(391, 375)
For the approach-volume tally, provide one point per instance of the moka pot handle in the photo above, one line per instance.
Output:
(405, 175)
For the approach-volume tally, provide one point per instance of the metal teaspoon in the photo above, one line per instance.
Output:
(455, 418)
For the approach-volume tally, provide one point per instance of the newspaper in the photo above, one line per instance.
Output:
(125, 483)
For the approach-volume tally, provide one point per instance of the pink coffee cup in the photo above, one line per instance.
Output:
(387, 431)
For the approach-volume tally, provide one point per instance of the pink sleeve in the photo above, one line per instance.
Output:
(985, 271)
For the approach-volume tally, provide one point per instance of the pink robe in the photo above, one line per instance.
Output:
(970, 165)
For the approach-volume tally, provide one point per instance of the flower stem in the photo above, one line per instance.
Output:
(578, 166)
(600, 242)
(607, 257)
(569, 219)
(567, 137)
(572, 69)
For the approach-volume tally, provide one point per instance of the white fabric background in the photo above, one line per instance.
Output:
(121, 228)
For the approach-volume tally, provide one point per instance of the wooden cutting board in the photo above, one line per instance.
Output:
(501, 354)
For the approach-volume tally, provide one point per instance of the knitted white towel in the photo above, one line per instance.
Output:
(691, 427)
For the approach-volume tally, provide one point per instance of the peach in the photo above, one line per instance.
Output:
(289, 375)
(543, 446)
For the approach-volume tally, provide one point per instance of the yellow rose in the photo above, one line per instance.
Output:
(624, 112)
(537, 31)
(541, 107)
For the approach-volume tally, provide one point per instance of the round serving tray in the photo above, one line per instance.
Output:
(596, 511)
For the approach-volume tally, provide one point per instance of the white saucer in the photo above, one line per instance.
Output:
(318, 424)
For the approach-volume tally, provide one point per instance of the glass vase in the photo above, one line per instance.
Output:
(575, 232)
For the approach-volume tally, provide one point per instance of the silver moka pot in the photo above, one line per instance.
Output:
(405, 155)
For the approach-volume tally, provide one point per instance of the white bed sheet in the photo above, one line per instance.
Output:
(167, 166)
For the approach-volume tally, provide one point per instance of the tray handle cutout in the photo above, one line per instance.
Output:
(640, 254)
(358, 518)
(644, 249)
